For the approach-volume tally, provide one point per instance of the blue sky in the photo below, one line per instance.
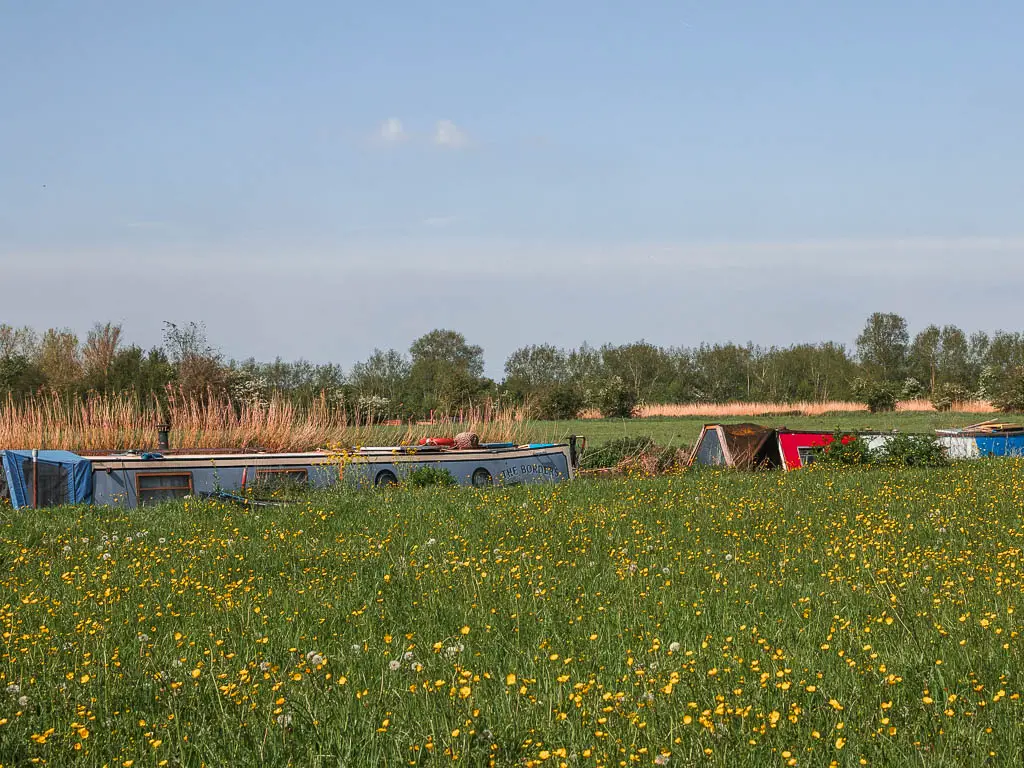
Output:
(318, 179)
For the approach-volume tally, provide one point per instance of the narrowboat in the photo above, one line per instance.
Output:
(752, 446)
(41, 478)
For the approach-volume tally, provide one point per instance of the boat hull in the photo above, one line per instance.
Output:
(128, 480)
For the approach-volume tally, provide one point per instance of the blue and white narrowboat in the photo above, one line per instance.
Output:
(41, 478)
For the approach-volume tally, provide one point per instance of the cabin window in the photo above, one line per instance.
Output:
(162, 486)
(290, 475)
(273, 480)
(52, 482)
(808, 454)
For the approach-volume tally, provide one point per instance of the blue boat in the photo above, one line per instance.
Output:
(49, 478)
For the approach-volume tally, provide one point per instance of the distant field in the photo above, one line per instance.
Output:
(684, 430)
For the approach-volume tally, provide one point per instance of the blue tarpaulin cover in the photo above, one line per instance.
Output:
(63, 478)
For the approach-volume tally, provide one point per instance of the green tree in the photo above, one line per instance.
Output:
(535, 369)
(955, 365)
(446, 372)
(923, 356)
(60, 360)
(19, 375)
(726, 372)
(882, 346)
(646, 370)
(813, 372)
(199, 367)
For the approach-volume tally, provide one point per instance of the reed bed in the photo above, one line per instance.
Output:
(105, 423)
(802, 408)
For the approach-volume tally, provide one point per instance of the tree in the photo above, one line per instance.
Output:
(585, 368)
(646, 370)
(804, 372)
(19, 375)
(384, 374)
(99, 353)
(59, 359)
(199, 367)
(446, 371)
(955, 359)
(534, 369)
(18, 341)
(882, 346)
(923, 357)
(725, 372)
(144, 373)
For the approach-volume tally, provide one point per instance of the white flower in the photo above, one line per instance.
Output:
(315, 659)
(161, 540)
(674, 647)
(106, 555)
(661, 759)
(284, 720)
(666, 570)
(394, 665)
(357, 648)
(407, 655)
(67, 548)
(728, 557)
(143, 637)
(23, 701)
(14, 689)
(431, 542)
(264, 666)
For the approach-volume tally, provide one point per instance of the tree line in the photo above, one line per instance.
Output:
(442, 371)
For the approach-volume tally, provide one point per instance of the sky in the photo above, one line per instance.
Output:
(314, 180)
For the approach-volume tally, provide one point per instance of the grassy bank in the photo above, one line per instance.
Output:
(701, 619)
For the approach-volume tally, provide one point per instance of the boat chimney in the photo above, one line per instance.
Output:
(163, 432)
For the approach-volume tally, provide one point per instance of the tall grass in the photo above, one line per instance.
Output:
(802, 408)
(116, 422)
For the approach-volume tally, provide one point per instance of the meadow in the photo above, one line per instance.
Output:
(820, 617)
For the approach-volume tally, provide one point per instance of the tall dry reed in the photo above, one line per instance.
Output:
(804, 408)
(119, 422)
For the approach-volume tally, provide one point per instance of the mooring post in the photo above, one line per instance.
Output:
(35, 478)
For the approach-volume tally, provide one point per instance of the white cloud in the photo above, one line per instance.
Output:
(391, 130)
(448, 134)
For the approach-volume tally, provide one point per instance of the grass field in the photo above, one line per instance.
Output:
(673, 431)
(811, 618)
